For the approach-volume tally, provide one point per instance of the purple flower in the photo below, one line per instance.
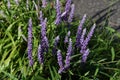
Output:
(55, 44)
(71, 13)
(68, 6)
(8, 4)
(67, 10)
(83, 36)
(58, 11)
(44, 3)
(40, 55)
(66, 37)
(30, 42)
(59, 58)
(61, 70)
(60, 62)
(85, 55)
(84, 51)
(90, 34)
(78, 36)
(69, 52)
(41, 17)
(85, 43)
(44, 44)
(43, 28)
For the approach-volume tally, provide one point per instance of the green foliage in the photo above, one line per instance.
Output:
(103, 63)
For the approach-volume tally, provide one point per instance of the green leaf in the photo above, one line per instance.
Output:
(113, 54)
(110, 29)
(51, 73)
(96, 71)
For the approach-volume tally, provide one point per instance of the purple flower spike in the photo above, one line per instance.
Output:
(82, 36)
(45, 44)
(90, 35)
(30, 42)
(60, 62)
(69, 52)
(8, 4)
(85, 55)
(41, 17)
(78, 36)
(68, 6)
(71, 13)
(40, 55)
(58, 11)
(44, 3)
(43, 28)
(67, 10)
(66, 37)
(85, 42)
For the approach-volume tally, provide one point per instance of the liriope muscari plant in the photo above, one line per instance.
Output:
(81, 39)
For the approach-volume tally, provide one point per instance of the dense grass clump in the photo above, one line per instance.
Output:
(42, 40)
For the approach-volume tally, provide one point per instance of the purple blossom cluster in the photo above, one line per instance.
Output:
(30, 42)
(84, 42)
(43, 47)
(67, 60)
(67, 15)
(81, 41)
(79, 30)
(58, 11)
(71, 15)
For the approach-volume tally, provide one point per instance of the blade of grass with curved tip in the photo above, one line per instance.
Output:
(113, 54)
(96, 72)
